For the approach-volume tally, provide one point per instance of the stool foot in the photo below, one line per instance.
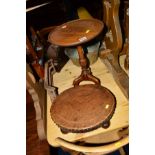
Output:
(105, 125)
(64, 131)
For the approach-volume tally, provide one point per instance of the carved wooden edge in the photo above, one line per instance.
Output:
(35, 89)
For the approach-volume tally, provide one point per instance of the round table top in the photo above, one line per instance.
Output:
(76, 32)
(83, 108)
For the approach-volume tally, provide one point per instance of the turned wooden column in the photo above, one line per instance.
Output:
(86, 73)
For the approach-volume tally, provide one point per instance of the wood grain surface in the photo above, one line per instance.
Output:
(76, 32)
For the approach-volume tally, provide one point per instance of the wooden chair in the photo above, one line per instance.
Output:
(38, 94)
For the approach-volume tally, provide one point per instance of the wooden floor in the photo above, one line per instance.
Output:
(33, 145)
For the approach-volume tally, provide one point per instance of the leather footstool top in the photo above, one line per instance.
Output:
(83, 108)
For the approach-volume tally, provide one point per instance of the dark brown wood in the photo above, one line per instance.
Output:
(106, 124)
(46, 30)
(86, 71)
(37, 67)
(30, 49)
(83, 108)
(36, 42)
(76, 32)
(76, 109)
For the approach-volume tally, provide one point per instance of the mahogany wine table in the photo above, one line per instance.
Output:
(76, 110)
